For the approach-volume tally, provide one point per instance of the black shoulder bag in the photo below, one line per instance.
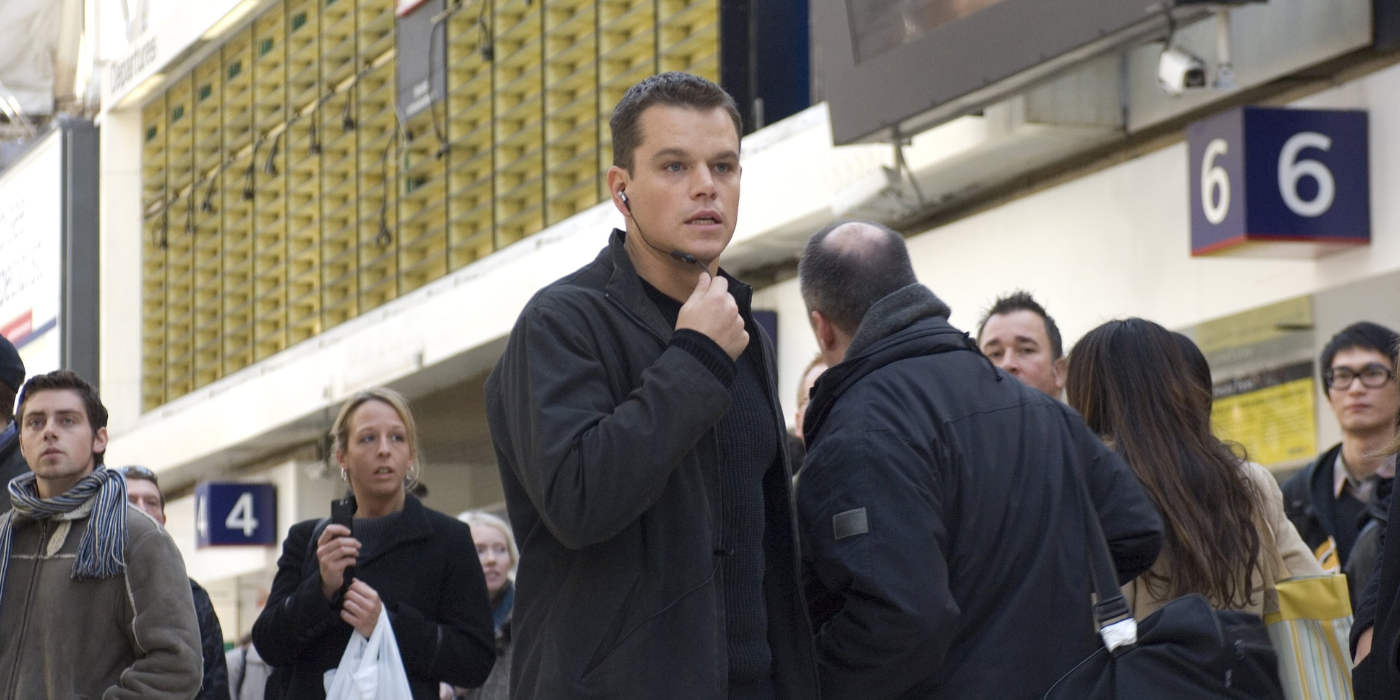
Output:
(1184, 650)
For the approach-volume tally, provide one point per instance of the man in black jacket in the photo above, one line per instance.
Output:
(143, 491)
(940, 509)
(12, 463)
(1328, 502)
(640, 442)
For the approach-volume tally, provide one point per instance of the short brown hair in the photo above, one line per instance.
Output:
(674, 89)
(67, 379)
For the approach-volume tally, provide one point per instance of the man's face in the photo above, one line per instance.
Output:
(683, 189)
(1360, 408)
(1017, 343)
(57, 440)
(144, 494)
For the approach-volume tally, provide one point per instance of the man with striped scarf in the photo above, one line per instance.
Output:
(94, 602)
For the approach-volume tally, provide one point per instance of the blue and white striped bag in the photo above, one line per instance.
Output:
(1310, 632)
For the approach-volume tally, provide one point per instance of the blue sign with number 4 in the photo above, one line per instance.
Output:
(229, 513)
(1272, 178)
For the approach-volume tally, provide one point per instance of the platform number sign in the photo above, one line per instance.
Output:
(1262, 176)
(235, 514)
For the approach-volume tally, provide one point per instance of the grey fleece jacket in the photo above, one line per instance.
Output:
(130, 636)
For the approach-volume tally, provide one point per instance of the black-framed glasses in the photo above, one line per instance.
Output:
(1373, 376)
(139, 472)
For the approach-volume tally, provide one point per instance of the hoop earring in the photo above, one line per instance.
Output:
(342, 475)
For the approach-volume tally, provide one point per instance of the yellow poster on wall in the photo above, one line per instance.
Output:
(1272, 413)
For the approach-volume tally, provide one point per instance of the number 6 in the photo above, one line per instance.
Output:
(1212, 177)
(1291, 170)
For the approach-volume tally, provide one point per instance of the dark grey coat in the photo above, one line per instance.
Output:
(942, 521)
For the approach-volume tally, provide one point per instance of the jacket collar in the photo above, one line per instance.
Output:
(895, 312)
(625, 286)
(9, 437)
(412, 525)
(909, 322)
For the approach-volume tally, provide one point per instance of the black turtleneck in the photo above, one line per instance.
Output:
(748, 448)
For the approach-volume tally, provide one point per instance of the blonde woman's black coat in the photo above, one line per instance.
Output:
(429, 577)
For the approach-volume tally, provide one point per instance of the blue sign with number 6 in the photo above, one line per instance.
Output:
(1272, 179)
(229, 513)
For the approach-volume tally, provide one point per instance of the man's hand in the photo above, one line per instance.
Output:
(1363, 644)
(335, 550)
(711, 311)
(361, 607)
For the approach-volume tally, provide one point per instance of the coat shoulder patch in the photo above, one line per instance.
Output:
(850, 523)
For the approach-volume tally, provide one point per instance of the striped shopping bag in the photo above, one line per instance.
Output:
(1310, 632)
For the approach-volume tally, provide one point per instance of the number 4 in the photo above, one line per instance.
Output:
(241, 517)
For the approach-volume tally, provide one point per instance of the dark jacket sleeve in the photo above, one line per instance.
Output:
(893, 572)
(1366, 604)
(211, 637)
(1131, 523)
(593, 463)
(458, 648)
(296, 612)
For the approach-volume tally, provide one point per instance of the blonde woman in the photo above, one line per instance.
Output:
(495, 548)
(413, 562)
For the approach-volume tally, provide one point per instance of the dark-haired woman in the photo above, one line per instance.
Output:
(1228, 539)
(415, 563)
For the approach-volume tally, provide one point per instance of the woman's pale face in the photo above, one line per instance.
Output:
(377, 456)
(494, 552)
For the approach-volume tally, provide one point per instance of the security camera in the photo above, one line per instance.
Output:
(1179, 71)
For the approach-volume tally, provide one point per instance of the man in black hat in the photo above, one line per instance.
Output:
(12, 463)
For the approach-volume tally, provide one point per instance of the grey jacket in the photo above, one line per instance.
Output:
(126, 637)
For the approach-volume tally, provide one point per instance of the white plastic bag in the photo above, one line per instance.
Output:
(370, 669)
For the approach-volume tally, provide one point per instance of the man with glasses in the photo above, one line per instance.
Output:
(143, 491)
(1334, 501)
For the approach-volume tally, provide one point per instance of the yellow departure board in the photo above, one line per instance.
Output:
(282, 196)
(1273, 413)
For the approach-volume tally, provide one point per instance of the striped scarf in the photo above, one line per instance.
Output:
(101, 552)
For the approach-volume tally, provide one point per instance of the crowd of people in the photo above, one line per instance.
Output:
(920, 534)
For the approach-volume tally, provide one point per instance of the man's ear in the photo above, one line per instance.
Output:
(617, 182)
(1060, 369)
(825, 332)
(99, 441)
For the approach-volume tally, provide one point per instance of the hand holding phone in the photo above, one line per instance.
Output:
(337, 549)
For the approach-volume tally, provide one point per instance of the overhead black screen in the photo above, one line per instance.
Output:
(911, 64)
(880, 25)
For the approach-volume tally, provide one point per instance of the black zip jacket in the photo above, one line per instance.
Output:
(604, 435)
(429, 579)
(941, 518)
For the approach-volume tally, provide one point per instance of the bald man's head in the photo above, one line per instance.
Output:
(848, 266)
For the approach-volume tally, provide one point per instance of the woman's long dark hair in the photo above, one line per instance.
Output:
(1134, 386)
